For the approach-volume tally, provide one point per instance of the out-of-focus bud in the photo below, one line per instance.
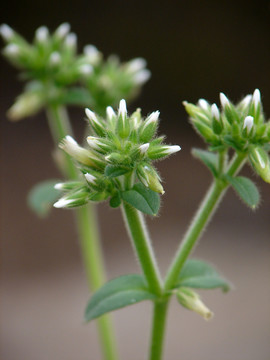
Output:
(93, 55)
(191, 300)
(260, 162)
(248, 125)
(6, 32)
(42, 34)
(27, 104)
(62, 31)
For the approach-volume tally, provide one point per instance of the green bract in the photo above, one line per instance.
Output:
(121, 151)
(57, 74)
(242, 127)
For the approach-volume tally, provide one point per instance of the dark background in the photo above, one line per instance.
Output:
(194, 49)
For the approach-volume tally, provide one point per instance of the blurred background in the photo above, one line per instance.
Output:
(194, 49)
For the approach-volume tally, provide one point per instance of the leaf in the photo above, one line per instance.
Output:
(201, 275)
(115, 200)
(42, 196)
(114, 170)
(246, 189)
(143, 199)
(208, 158)
(117, 293)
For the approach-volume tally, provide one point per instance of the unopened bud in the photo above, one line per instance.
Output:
(95, 122)
(62, 30)
(6, 32)
(71, 147)
(149, 177)
(260, 161)
(160, 151)
(149, 127)
(203, 104)
(143, 148)
(136, 65)
(248, 124)
(86, 69)
(92, 53)
(55, 58)
(27, 104)
(42, 34)
(12, 50)
(90, 178)
(71, 41)
(110, 113)
(141, 76)
(224, 100)
(256, 98)
(191, 300)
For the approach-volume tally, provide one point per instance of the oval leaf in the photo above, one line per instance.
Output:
(143, 199)
(208, 158)
(117, 293)
(42, 197)
(246, 189)
(199, 274)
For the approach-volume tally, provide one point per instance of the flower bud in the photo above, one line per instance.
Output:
(29, 103)
(62, 30)
(191, 300)
(83, 156)
(159, 151)
(123, 126)
(203, 104)
(96, 123)
(248, 124)
(149, 177)
(216, 121)
(224, 100)
(141, 77)
(6, 32)
(149, 127)
(260, 162)
(92, 54)
(42, 34)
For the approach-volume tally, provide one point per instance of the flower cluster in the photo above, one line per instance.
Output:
(56, 73)
(120, 153)
(242, 127)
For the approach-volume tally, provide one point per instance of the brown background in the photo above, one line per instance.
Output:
(194, 49)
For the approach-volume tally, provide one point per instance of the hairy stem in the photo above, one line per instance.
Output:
(88, 233)
(199, 223)
(140, 239)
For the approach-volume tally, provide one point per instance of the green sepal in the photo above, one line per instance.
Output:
(114, 170)
(42, 197)
(115, 200)
(246, 189)
(208, 158)
(201, 275)
(118, 293)
(143, 199)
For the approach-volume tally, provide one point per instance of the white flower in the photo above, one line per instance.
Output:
(248, 123)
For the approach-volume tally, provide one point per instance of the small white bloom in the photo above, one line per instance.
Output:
(122, 108)
(203, 104)
(62, 203)
(136, 65)
(58, 186)
(256, 97)
(6, 32)
(143, 148)
(248, 123)
(168, 150)
(223, 100)
(92, 53)
(110, 113)
(246, 101)
(215, 112)
(90, 178)
(55, 58)
(12, 50)
(42, 34)
(141, 76)
(91, 116)
(62, 30)
(86, 69)
(71, 40)
(152, 118)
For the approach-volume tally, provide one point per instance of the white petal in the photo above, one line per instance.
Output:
(223, 100)
(122, 108)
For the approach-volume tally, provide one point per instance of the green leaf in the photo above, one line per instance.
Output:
(143, 199)
(77, 96)
(42, 196)
(117, 293)
(115, 200)
(246, 189)
(199, 274)
(114, 170)
(208, 158)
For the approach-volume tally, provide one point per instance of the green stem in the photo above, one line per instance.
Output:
(199, 223)
(158, 329)
(94, 266)
(140, 239)
(88, 233)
